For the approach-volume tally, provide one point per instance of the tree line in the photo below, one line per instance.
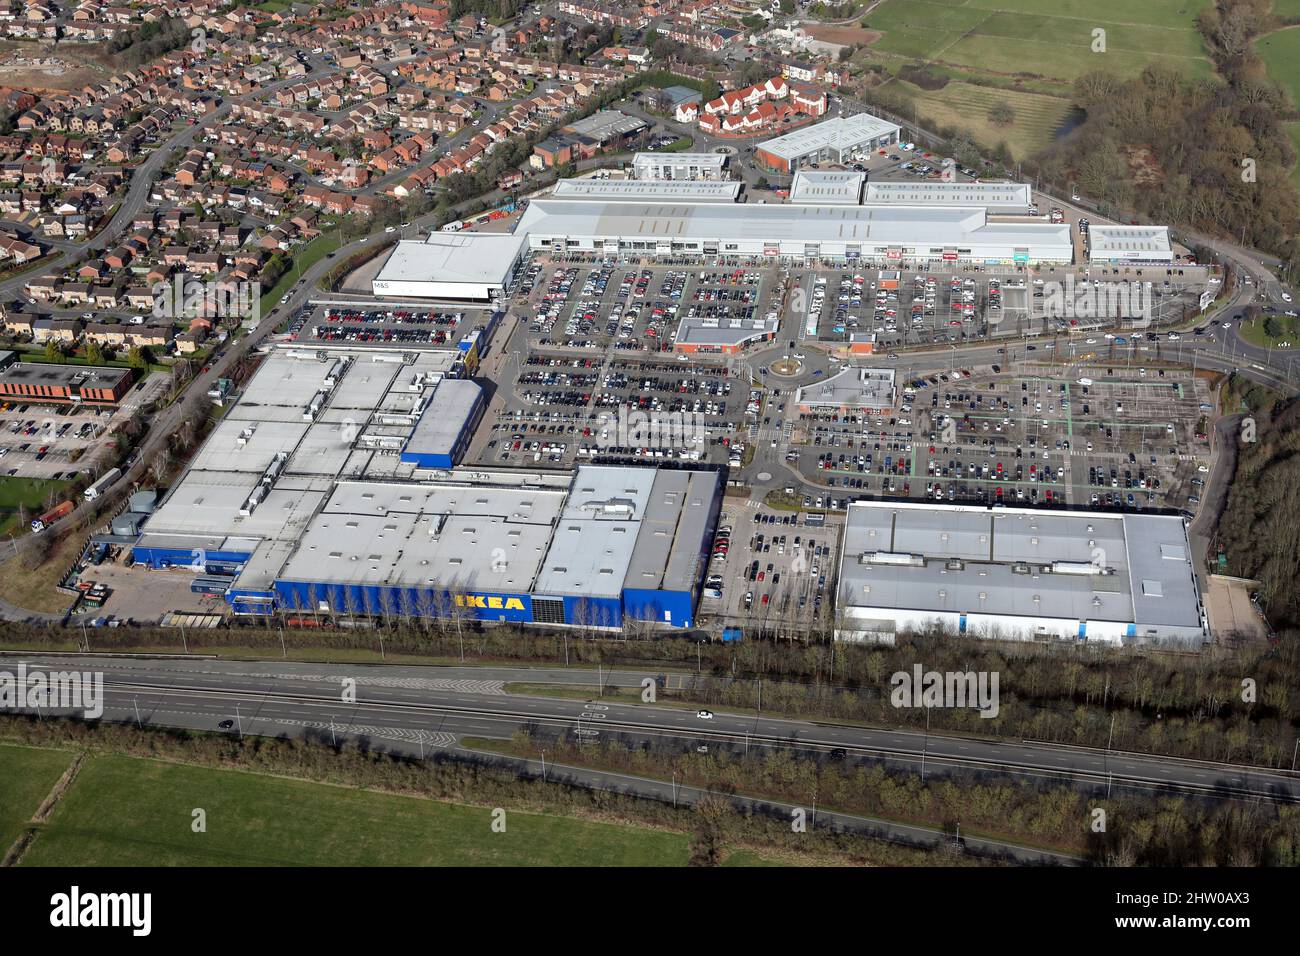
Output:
(1147, 700)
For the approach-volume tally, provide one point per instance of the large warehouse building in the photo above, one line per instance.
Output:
(821, 188)
(834, 140)
(900, 225)
(886, 234)
(679, 166)
(1000, 199)
(1013, 573)
(324, 490)
(451, 265)
(635, 190)
(1125, 245)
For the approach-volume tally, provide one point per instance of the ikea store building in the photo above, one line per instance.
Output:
(308, 498)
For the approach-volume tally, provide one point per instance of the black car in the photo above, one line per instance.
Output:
(226, 724)
(838, 754)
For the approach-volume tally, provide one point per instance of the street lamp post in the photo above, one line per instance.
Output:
(925, 747)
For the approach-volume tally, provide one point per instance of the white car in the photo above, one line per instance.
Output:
(704, 714)
(1286, 296)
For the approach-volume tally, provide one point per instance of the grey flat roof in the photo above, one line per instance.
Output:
(421, 535)
(992, 543)
(653, 190)
(482, 257)
(681, 94)
(830, 187)
(39, 373)
(680, 159)
(597, 531)
(992, 195)
(606, 123)
(870, 387)
(726, 331)
(839, 134)
(673, 534)
(444, 417)
(886, 225)
(1120, 240)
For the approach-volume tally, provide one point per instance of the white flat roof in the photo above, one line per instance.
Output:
(696, 330)
(482, 258)
(679, 159)
(648, 190)
(923, 226)
(1129, 241)
(827, 187)
(596, 533)
(923, 557)
(991, 195)
(444, 418)
(418, 535)
(841, 133)
(868, 387)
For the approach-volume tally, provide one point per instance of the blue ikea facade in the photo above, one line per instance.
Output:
(662, 551)
(446, 425)
(158, 557)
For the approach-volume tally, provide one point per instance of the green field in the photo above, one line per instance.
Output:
(1293, 130)
(26, 777)
(30, 493)
(966, 105)
(1280, 52)
(127, 811)
(1047, 39)
(1042, 46)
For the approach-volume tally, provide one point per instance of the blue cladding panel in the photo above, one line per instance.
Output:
(441, 456)
(414, 602)
(186, 557)
(593, 612)
(675, 608)
(422, 460)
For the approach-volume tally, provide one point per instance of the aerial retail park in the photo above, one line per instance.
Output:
(456, 433)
